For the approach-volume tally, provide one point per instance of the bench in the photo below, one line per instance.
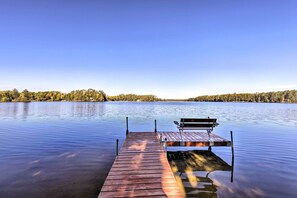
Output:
(196, 124)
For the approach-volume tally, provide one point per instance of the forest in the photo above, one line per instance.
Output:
(288, 96)
(90, 95)
(28, 96)
(133, 97)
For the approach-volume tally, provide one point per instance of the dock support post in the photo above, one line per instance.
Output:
(165, 146)
(127, 126)
(209, 140)
(155, 126)
(232, 145)
(117, 147)
(161, 139)
(209, 148)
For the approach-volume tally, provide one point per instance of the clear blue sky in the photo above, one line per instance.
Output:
(173, 49)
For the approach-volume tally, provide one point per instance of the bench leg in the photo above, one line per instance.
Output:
(181, 137)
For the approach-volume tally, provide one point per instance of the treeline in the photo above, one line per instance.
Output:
(90, 95)
(28, 96)
(289, 96)
(133, 97)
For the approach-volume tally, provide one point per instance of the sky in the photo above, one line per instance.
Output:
(172, 49)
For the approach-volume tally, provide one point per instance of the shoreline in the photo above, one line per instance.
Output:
(186, 101)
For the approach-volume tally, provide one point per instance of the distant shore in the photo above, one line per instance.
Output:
(92, 95)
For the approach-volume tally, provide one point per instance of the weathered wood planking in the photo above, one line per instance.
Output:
(193, 139)
(141, 170)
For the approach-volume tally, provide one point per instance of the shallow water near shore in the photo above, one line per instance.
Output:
(65, 149)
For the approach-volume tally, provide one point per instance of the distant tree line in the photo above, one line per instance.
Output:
(89, 95)
(288, 96)
(28, 96)
(133, 97)
(92, 95)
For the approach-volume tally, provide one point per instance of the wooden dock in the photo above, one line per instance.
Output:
(193, 139)
(141, 170)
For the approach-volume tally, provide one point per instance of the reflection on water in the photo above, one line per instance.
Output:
(192, 168)
(51, 110)
(65, 149)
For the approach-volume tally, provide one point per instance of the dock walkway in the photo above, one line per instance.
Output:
(141, 170)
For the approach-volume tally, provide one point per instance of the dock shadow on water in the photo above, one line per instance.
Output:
(192, 170)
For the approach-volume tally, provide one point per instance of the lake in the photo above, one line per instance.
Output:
(65, 149)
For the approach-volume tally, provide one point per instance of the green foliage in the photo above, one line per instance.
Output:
(27, 96)
(90, 95)
(133, 97)
(288, 96)
(86, 95)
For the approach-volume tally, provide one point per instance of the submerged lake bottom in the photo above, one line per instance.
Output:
(65, 149)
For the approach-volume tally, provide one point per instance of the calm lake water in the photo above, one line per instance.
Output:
(65, 149)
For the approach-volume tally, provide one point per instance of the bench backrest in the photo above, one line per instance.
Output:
(198, 122)
(213, 120)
